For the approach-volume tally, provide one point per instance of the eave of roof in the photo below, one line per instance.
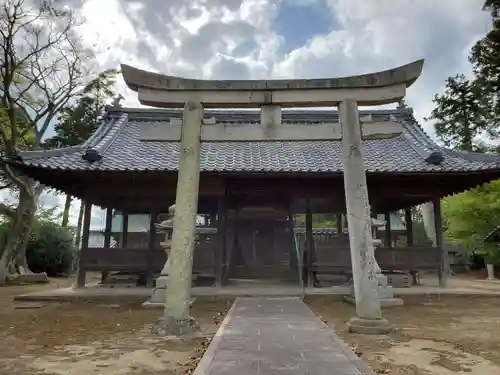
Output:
(116, 146)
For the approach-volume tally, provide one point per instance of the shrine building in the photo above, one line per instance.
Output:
(256, 175)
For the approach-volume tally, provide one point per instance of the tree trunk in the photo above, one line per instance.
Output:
(4, 270)
(79, 226)
(17, 239)
(67, 206)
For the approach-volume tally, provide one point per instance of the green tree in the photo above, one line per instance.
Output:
(494, 7)
(485, 60)
(76, 123)
(459, 116)
(50, 247)
(41, 69)
(469, 217)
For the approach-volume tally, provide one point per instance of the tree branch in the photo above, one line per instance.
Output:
(16, 179)
(8, 211)
(42, 67)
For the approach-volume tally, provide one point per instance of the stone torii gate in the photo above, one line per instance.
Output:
(348, 93)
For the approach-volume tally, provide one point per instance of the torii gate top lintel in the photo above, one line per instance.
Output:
(378, 88)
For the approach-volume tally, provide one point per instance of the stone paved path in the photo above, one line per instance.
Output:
(277, 336)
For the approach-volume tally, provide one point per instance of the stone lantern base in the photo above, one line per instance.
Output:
(159, 290)
(159, 293)
(385, 293)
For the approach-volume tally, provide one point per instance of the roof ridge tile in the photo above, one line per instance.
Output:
(113, 132)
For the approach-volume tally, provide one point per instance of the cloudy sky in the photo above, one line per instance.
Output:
(251, 39)
(287, 38)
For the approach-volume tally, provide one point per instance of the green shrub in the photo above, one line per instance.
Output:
(50, 249)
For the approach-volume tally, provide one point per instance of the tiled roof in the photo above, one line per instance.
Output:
(118, 144)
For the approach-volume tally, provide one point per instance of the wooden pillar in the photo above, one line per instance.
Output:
(151, 248)
(291, 255)
(388, 230)
(124, 230)
(232, 241)
(107, 239)
(295, 258)
(444, 268)
(309, 246)
(340, 229)
(409, 227)
(81, 273)
(221, 240)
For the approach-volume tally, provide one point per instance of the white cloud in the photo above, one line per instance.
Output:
(237, 39)
(375, 35)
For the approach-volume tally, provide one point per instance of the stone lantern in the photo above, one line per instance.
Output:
(166, 227)
(385, 291)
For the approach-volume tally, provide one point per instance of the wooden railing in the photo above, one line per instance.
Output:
(122, 259)
(332, 255)
(390, 259)
(133, 259)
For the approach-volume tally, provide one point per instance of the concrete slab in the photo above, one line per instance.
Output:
(277, 336)
(28, 305)
(94, 292)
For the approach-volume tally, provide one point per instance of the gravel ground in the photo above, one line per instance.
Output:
(437, 335)
(84, 339)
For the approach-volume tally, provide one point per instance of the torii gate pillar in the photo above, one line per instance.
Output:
(369, 316)
(347, 93)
